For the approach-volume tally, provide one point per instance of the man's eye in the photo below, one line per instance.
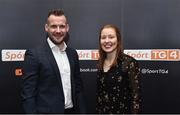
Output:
(62, 26)
(53, 26)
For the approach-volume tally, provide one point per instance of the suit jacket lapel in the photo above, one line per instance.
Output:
(70, 58)
(52, 61)
(71, 63)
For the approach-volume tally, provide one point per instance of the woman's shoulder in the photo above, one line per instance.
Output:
(127, 61)
(126, 58)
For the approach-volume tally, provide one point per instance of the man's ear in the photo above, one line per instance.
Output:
(67, 27)
(46, 27)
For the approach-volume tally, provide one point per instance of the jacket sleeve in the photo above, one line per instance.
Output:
(133, 73)
(79, 87)
(29, 85)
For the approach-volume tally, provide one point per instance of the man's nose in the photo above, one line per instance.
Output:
(58, 29)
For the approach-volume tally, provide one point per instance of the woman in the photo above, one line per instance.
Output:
(118, 81)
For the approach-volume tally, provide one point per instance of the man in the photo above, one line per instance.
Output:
(51, 73)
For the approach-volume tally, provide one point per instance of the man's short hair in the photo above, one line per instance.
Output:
(56, 12)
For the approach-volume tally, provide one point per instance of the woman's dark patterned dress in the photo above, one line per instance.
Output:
(118, 89)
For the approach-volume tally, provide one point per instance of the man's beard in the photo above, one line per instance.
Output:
(65, 39)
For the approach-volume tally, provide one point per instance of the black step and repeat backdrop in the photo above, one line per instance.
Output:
(150, 30)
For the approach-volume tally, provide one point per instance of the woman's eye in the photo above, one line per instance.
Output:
(103, 37)
(111, 37)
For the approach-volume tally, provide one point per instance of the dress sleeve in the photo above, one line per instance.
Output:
(133, 73)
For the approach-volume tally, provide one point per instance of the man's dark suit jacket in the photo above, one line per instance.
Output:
(42, 90)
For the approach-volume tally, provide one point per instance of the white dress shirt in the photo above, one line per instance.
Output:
(65, 72)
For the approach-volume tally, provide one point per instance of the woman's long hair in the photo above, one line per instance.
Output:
(102, 54)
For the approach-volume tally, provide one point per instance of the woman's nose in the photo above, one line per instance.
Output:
(107, 39)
